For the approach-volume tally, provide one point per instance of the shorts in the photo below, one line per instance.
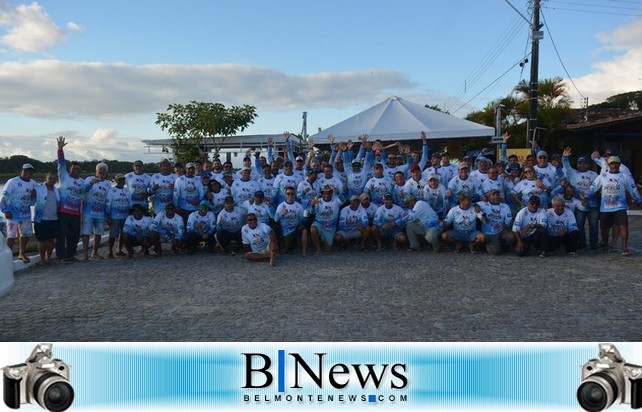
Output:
(327, 236)
(167, 238)
(116, 228)
(391, 233)
(46, 230)
(22, 228)
(132, 240)
(349, 235)
(617, 218)
(92, 226)
(463, 237)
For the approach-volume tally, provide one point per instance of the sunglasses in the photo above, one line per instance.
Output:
(251, 220)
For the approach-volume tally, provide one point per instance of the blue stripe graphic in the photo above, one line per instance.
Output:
(281, 370)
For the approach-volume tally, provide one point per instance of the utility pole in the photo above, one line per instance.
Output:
(536, 36)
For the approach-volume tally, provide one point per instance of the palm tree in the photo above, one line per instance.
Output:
(553, 109)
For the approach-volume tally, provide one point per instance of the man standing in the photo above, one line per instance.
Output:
(188, 192)
(17, 197)
(614, 184)
(119, 201)
(46, 217)
(139, 185)
(72, 192)
(94, 210)
(162, 186)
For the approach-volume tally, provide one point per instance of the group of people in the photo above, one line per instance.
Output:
(366, 196)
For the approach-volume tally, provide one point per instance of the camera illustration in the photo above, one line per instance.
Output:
(608, 380)
(41, 379)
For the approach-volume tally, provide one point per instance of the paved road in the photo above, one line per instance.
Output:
(344, 296)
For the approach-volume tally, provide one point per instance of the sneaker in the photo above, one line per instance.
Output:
(543, 254)
(572, 254)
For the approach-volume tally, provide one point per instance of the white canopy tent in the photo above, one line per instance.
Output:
(399, 119)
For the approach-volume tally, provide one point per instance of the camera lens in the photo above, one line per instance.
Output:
(592, 397)
(53, 392)
(58, 396)
(597, 392)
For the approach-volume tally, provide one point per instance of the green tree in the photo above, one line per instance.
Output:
(436, 107)
(511, 121)
(553, 110)
(624, 101)
(191, 125)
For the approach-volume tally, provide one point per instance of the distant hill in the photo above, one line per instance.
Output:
(13, 165)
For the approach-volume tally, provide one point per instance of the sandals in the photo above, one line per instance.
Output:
(25, 259)
(626, 253)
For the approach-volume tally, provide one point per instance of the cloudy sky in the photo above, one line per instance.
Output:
(99, 71)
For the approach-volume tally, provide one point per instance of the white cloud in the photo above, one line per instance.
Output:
(53, 88)
(621, 72)
(102, 144)
(29, 29)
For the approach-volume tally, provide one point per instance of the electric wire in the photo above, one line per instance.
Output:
(558, 55)
(484, 65)
(487, 87)
(592, 11)
(592, 5)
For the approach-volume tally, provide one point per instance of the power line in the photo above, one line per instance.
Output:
(485, 88)
(593, 11)
(483, 66)
(558, 55)
(594, 5)
(627, 1)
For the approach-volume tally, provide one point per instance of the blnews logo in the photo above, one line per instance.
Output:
(315, 378)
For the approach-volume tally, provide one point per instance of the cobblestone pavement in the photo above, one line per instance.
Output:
(343, 296)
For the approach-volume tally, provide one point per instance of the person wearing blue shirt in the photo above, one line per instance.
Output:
(353, 225)
(94, 210)
(496, 219)
(389, 223)
(326, 212)
(119, 202)
(201, 225)
(18, 196)
(581, 178)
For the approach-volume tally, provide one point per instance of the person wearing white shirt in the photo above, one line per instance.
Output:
(464, 221)
(136, 231)
(496, 219)
(530, 227)
(562, 227)
(259, 241)
(353, 224)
